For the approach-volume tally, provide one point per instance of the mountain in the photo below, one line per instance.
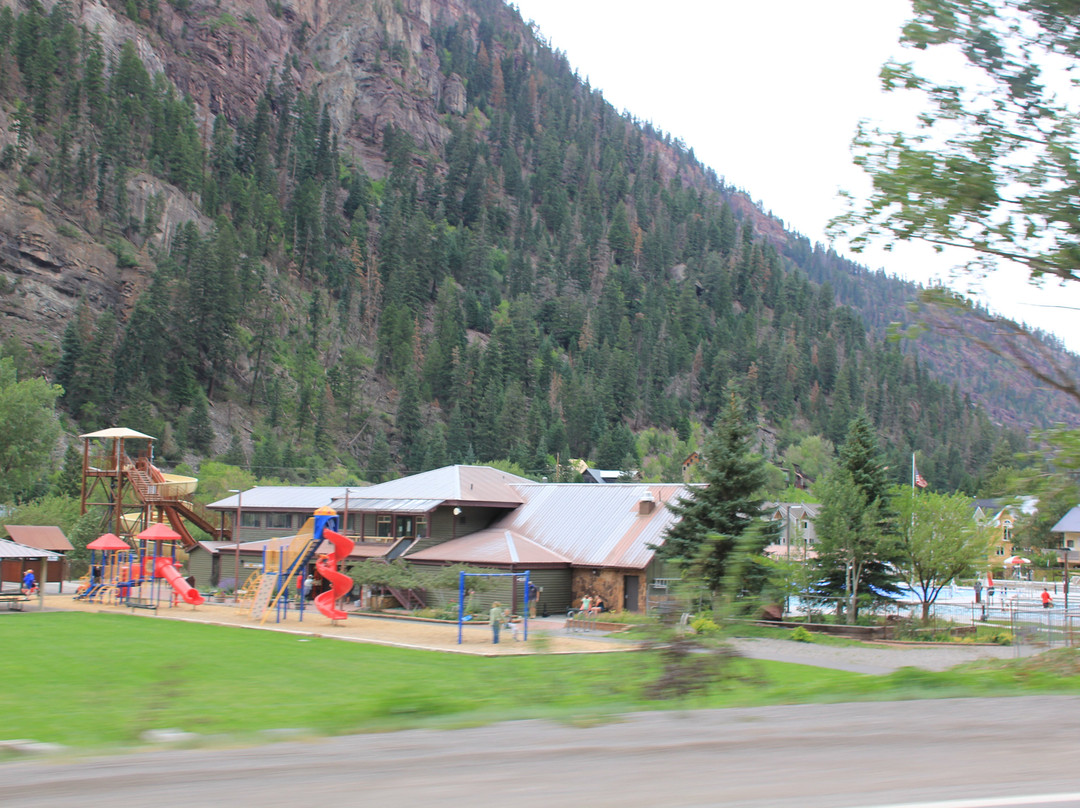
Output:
(393, 234)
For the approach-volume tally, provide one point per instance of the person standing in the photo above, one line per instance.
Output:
(496, 621)
(1047, 601)
(534, 598)
(29, 582)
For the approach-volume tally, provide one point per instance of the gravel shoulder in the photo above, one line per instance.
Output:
(877, 659)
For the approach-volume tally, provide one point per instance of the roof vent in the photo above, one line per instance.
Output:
(646, 503)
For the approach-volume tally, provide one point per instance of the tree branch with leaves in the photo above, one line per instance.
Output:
(991, 166)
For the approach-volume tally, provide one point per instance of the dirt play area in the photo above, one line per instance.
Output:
(546, 635)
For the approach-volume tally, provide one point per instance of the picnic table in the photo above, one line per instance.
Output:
(13, 599)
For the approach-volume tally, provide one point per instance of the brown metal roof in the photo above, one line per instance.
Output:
(43, 537)
(498, 547)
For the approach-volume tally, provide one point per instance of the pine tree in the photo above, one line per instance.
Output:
(856, 526)
(379, 464)
(200, 432)
(715, 518)
(68, 480)
(408, 423)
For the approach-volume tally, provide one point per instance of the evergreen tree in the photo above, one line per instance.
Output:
(715, 518)
(234, 456)
(68, 480)
(200, 432)
(856, 526)
(379, 464)
(408, 424)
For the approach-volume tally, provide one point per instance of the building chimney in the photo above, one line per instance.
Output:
(646, 503)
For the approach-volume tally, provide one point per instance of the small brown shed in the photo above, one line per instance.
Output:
(49, 538)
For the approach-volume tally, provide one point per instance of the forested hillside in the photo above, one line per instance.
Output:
(393, 235)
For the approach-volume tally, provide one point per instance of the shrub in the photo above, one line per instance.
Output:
(1001, 638)
(800, 634)
(704, 626)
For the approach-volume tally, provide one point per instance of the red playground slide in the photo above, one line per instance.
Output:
(340, 583)
(165, 569)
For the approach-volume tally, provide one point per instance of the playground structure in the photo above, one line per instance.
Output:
(133, 493)
(132, 576)
(284, 571)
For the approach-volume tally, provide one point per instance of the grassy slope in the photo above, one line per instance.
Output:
(94, 680)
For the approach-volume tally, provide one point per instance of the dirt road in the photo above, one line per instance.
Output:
(811, 756)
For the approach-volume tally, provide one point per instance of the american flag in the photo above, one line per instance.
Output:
(919, 479)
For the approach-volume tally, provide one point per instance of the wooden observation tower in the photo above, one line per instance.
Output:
(118, 475)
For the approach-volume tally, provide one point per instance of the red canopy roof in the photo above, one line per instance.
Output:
(159, 532)
(110, 541)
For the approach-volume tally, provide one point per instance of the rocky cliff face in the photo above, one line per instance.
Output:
(373, 63)
(47, 265)
(223, 55)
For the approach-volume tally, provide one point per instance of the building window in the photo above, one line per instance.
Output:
(404, 526)
(421, 527)
(1000, 550)
(279, 520)
(1006, 534)
(249, 519)
(1070, 544)
(384, 526)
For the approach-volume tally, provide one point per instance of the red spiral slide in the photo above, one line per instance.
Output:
(163, 568)
(340, 583)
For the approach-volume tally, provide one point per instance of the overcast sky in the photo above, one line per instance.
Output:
(769, 93)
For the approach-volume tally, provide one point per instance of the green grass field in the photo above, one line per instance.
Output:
(101, 680)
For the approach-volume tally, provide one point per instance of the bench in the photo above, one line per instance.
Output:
(14, 600)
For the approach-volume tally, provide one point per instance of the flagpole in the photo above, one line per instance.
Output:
(913, 496)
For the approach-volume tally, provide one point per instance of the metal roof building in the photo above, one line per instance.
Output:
(14, 550)
(578, 539)
(581, 525)
(43, 537)
(1069, 523)
(481, 486)
(496, 546)
(281, 498)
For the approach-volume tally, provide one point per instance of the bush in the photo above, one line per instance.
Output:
(1001, 638)
(124, 252)
(705, 626)
(800, 634)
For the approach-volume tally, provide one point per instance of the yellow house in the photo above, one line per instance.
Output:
(1002, 519)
